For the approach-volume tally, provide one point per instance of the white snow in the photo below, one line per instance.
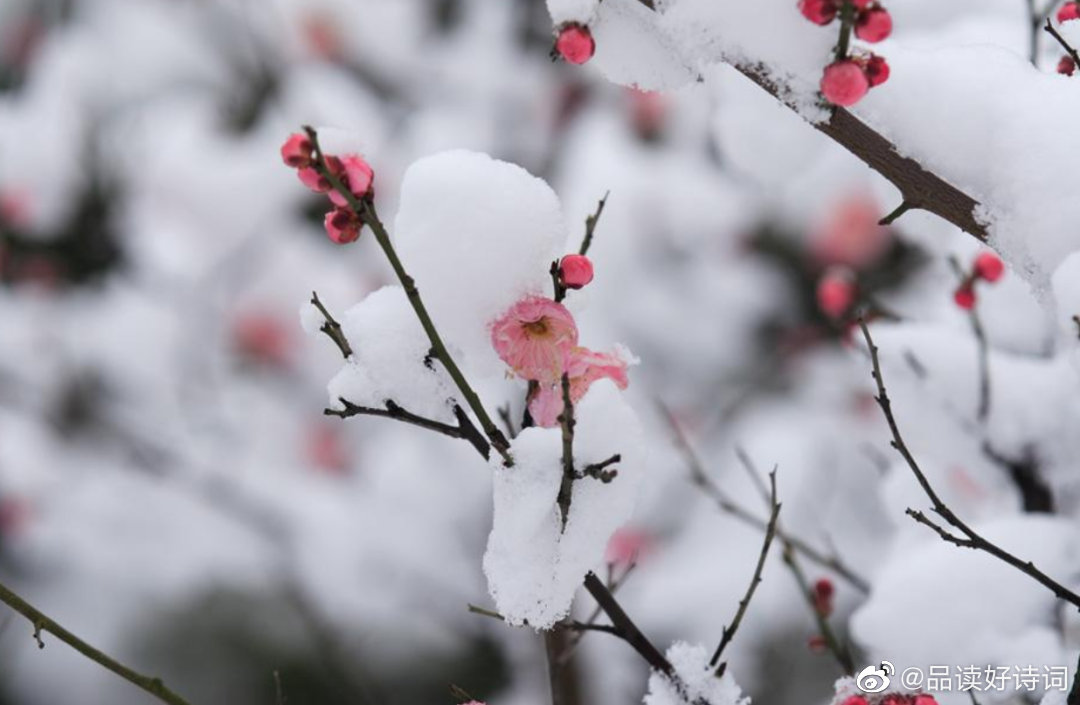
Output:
(477, 234)
(387, 364)
(533, 569)
(691, 663)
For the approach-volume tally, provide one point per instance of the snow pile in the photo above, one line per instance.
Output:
(533, 568)
(581, 11)
(477, 234)
(387, 364)
(691, 663)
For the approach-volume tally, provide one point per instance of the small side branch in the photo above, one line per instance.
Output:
(770, 532)
(726, 504)
(839, 651)
(42, 624)
(465, 429)
(969, 537)
(332, 328)
(590, 224)
(1049, 29)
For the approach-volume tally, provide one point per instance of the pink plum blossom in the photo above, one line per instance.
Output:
(584, 367)
(535, 338)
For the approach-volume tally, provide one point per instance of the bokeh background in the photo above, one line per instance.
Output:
(169, 486)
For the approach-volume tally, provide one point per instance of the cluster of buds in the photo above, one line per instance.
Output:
(987, 267)
(873, 23)
(574, 43)
(342, 222)
(1066, 13)
(851, 76)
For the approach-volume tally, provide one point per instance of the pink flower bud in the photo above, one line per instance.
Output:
(873, 25)
(989, 266)
(965, 297)
(1066, 66)
(356, 175)
(855, 700)
(924, 699)
(1068, 11)
(823, 596)
(575, 271)
(836, 291)
(296, 152)
(575, 43)
(820, 12)
(877, 70)
(817, 644)
(844, 83)
(313, 180)
(342, 226)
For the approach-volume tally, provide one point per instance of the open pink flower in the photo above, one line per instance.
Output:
(535, 337)
(584, 367)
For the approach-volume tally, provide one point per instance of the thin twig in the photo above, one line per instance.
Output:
(981, 344)
(891, 218)
(847, 23)
(590, 224)
(839, 651)
(465, 428)
(365, 209)
(970, 539)
(1049, 29)
(332, 328)
(42, 623)
(770, 532)
(702, 480)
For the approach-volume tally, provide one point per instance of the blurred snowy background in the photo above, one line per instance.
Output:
(169, 486)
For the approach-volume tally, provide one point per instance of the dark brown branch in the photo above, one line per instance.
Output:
(465, 429)
(626, 629)
(332, 328)
(770, 532)
(702, 480)
(970, 539)
(566, 423)
(1049, 29)
(918, 187)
